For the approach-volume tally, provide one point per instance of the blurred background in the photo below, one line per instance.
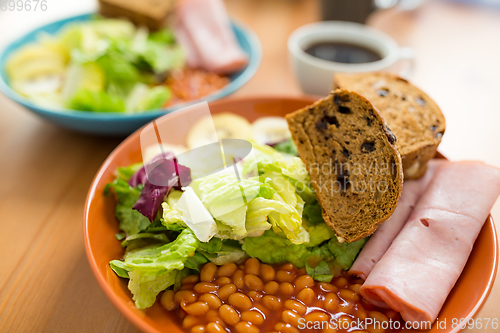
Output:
(457, 46)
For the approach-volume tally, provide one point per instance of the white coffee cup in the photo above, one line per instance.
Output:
(315, 75)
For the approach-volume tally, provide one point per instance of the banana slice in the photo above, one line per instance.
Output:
(227, 126)
(32, 52)
(36, 68)
(32, 61)
(270, 130)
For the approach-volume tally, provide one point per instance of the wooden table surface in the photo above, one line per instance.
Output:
(45, 282)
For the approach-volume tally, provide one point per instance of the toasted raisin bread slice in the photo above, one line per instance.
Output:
(414, 118)
(353, 163)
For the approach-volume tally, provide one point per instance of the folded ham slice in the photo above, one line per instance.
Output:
(204, 31)
(420, 268)
(380, 241)
(193, 59)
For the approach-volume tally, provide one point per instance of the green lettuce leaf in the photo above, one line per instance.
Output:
(172, 216)
(249, 206)
(154, 268)
(195, 261)
(319, 233)
(267, 159)
(145, 286)
(220, 252)
(226, 255)
(304, 190)
(156, 52)
(118, 68)
(141, 97)
(97, 101)
(225, 198)
(287, 147)
(315, 225)
(256, 216)
(344, 253)
(287, 216)
(164, 257)
(155, 98)
(164, 36)
(119, 268)
(89, 39)
(125, 173)
(156, 226)
(313, 213)
(266, 190)
(271, 248)
(120, 236)
(162, 58)
(145, 236)
(212, 246)
(131, 221)
(319, 268)
(322, 261)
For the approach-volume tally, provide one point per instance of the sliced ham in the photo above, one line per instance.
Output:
(204, 28)
(193, 59)
(420, 268)
(380, 241)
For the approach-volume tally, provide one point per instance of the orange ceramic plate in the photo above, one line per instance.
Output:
(100, 227)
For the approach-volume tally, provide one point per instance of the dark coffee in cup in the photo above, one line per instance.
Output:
(343, 52)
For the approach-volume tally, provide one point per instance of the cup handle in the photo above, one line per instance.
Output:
(408, 54)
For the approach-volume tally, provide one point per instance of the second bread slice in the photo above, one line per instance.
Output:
(354, 166)
(413, 117)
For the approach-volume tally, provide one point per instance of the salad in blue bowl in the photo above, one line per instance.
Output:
(106, 76)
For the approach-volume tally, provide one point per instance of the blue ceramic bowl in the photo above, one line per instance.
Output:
(117, 124)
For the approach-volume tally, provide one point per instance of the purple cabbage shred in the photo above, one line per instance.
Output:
(164, 173)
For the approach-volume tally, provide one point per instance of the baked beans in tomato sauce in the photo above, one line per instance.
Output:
(255, 297)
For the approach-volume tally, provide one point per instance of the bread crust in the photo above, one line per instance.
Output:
(358, 136)
(412, 115)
